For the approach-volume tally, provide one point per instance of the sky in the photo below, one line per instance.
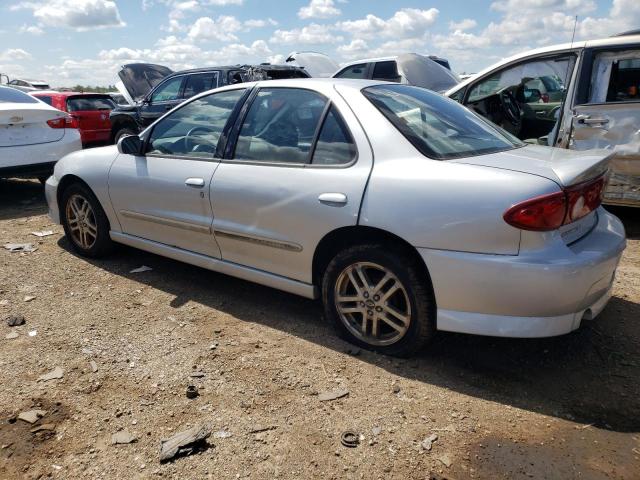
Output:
(70, 42)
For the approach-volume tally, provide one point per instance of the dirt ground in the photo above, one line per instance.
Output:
(559, 408)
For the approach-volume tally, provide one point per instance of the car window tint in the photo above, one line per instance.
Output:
(386, 71)
(90, 103)
(167, 91)
(199, 83)
(335, 145)
(11, 95)
(194, 129)
(280, 125)
(354, 71)
(437, 126)
(46, 99)
(615, 77)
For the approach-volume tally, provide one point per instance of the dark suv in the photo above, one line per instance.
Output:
(152, 90)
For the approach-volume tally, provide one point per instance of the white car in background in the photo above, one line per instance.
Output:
(33, 135)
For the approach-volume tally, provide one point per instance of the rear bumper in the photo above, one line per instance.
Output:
(535, 294)
(95, 136)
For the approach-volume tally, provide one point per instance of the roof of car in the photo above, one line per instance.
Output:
(65, 94)
(602, 42)
(236, 67)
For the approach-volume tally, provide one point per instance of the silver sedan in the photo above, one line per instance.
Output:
(403, 211)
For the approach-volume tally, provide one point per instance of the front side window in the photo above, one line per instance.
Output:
(387, 71)
(615, 77)
(438, 127)
(353, 71)
(280, 126)
(335, 145)
(167, 91)
(200, 82)
(194, 129)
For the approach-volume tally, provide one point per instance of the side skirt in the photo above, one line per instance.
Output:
(218, 265)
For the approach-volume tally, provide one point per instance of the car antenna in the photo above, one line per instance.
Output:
(566, 80)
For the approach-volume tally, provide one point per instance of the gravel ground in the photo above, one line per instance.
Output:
(560, 408)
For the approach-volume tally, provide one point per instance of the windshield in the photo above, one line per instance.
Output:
(11, 95)
(437, 126)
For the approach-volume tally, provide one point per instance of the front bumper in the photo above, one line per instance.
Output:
(536, 294)
(51, 194)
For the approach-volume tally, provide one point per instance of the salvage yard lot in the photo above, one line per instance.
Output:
(565, 407)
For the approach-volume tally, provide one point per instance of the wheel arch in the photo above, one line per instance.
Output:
(64, 183)
(118, 122)
(345, 237)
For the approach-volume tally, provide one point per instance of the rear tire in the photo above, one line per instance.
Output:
(85, 223)
(379, 298)
(123, 132)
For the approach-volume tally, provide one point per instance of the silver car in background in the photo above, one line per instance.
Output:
(402, 210)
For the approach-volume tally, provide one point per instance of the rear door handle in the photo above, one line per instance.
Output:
(333, 199)
(194, 182)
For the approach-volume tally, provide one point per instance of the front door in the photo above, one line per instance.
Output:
(610, 118)
(164, 98)
(298, 171)
(163, 194)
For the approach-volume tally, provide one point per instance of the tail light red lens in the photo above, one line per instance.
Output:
(65, 122)
(550, 212)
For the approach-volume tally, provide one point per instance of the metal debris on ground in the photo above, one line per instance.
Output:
(333, 395)
(28, 298)
(45, 427)
(33, 333)
(12, 335)
(56, 373)
(350, 439)
(20, 247)
(222, 434)
(122, 437)
(31, 416)
(427, 443)
(43, 233)
(141, 269)
(15, 320)
(192, 391)
(186, 442)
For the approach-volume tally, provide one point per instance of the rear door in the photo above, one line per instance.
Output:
(296, 169)
(163, 194)
(163, 98)
(607, 115)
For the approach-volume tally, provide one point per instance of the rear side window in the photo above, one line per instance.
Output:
(45, 99)
(87, 104)
(387, 71)
(616, 77)
(354, 71)
(335, 145)
(11, 95)
(200, 82)
(438, 127)
(280, 126)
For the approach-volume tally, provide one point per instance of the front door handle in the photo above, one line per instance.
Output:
(194, 182)
(333, 199)
(587, 120)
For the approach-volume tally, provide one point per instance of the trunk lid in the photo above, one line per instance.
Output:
(26, 124)
(423, 72)
(565, 167)
(137, 79)
(316, 64)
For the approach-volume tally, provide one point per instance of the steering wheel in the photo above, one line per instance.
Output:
(511, 112)
(190, 143)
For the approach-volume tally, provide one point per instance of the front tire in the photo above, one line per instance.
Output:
(378, 298)
(84, 221)
(123, 132)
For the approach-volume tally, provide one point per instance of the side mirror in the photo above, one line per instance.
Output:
(130, 145)
(532, 95)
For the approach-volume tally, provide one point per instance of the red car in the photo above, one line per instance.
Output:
(89, 113)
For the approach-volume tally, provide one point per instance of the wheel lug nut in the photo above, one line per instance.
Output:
(362, 304)
(366, 295)
(378, 309)
(376, 297)
(370, 312)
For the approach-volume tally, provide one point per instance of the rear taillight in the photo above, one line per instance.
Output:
(550, 212)
(65, 122)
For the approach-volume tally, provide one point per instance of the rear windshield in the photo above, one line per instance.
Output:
(438, 127)
(83, 104)
(11, 95)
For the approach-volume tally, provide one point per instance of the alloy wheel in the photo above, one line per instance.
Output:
(81, 221)
(372, 303)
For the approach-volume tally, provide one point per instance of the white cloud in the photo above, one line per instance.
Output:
(405, 23)
(358, 48)
(319, 9)
(310, 34)
(256, 23)
(79, 15)
(465, 24)
(12, 54)
(32, 29)
(224, 28)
